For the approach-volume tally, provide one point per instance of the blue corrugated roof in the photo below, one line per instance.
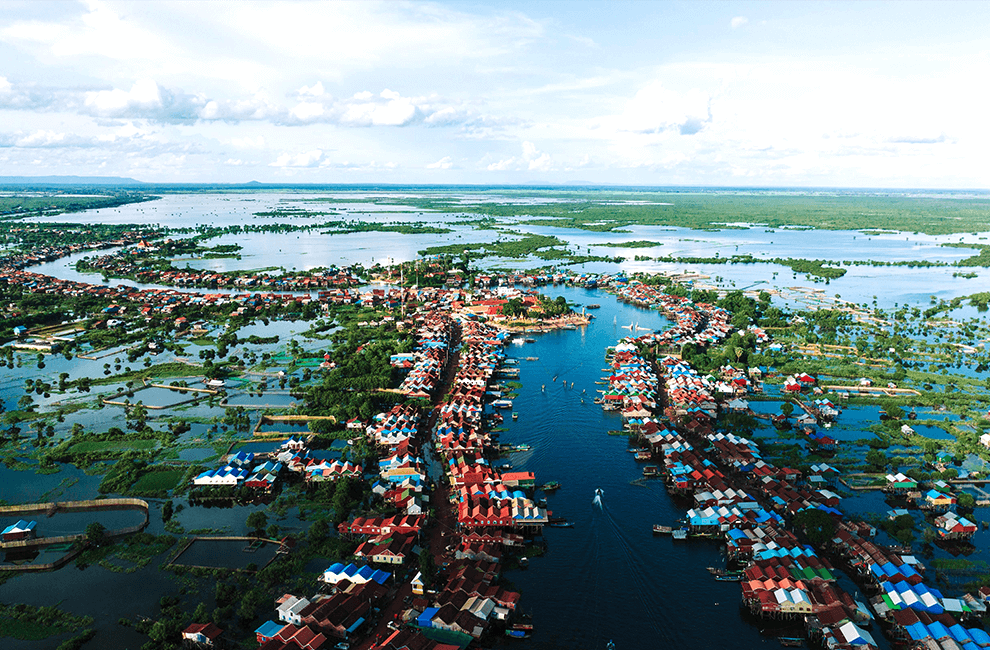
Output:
(918, 631)
(980, 636)
(270, 628)
(426, 618)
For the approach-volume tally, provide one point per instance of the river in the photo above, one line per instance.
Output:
(608, 577)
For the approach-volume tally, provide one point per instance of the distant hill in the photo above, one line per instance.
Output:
(68, 180)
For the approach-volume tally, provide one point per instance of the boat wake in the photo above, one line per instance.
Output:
(658, 618)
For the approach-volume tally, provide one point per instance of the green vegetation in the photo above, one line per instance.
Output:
(19, 207)
(30, 623)
(157, 481)
(545, 247)
(122, 475)
(158, 370)
(91, 446)
(981, 259)
(852, 210)
(401, 228)
(639, 243)
(817, 268)
(125, 555)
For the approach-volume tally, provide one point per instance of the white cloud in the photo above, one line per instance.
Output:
(307, 112)
(656, 108)
(248, 142)
(306, 159)
(125, 84)
(145, 99)
(443, 163)
(255, 108)
(532, 159)
(315, 90)
(370, 166)
(42, 139)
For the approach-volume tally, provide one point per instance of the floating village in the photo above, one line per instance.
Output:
(336, 458)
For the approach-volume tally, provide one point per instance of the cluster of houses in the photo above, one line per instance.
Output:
(263, 471)
(918, 615)
(734, 382)
(395, 426)
(317, 622)
(746, 500)
(241, 469)
(402, 469)
(492, 511)
(633, 386)
(794, 384)
(41, 254)
(489, 514)
(473, 480)
(689, 395)
(148, 301)
(698, 323)
(123, 264)
(429, 360)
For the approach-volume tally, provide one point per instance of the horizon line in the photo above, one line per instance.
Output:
(111, 181)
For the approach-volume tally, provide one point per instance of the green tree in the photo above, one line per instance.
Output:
(816, 525)
(876, 458)
(202, 613)
(257, 520)
(96, 533)
(319, 531)
(427, 566)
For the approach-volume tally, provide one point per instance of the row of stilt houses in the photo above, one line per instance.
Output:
(753, 506)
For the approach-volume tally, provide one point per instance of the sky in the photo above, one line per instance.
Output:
(771, 94)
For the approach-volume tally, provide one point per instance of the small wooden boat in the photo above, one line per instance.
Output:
(791, 641)
(662, 530)
(594, 306)
(729, 577)
(515, 416)
(550, 485)
(651, 470)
